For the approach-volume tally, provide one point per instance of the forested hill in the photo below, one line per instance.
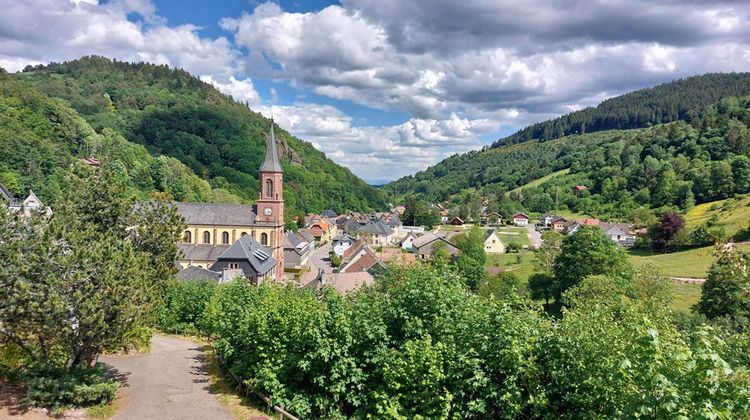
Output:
(664, 167)
(642, 108)
(174, 114)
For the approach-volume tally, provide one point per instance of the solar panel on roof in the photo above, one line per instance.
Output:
(260, 254)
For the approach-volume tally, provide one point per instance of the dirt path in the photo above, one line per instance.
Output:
(170, 382)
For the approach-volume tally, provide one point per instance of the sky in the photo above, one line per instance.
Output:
(390, 87)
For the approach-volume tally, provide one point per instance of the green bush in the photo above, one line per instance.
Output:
(183, 307)
(12, 360)
(57, 388)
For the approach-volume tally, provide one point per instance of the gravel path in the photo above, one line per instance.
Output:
(170, 382)
(534, 236)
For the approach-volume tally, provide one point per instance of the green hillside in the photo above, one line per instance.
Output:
(41, 138)
(667, 166)
(642, 108)
(174, 114)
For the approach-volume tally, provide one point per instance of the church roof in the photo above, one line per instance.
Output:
(202, 252)
(271, 162)
(194, 273)
(217, 214)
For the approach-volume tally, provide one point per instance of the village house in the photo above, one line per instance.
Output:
(341, 243)
(620, 233)
(492, 218)
(408, 241)
(343, 282)
(425, 244)
(456, 221)
(558, 224)
(30, 204)
(212, 228)
(359, 257)
(251, 260)
(578, 189)
(296, 251)
(375, 233)
(520, 219)
(492, 243)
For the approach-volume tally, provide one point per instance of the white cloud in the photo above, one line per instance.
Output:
(241, 90)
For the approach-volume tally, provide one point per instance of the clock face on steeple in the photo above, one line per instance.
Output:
(268, 211)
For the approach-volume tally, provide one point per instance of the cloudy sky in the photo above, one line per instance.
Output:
(389, 87)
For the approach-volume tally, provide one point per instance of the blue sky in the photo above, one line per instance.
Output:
(390, 87)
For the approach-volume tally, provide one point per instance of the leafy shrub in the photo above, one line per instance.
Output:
(12, 360)
(184, 304)
(57, 388)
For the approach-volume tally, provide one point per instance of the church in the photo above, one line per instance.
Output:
(244, 237)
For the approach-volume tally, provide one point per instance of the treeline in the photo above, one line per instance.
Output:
(420, 344)
(220, 139)
(643, 108)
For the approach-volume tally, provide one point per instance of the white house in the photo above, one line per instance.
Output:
(407, 242)
(520, 219)
(341, 243)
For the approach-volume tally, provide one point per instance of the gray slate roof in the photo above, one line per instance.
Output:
(376, 228)
(5, 194)
(193, 273)
(271, 162)
(426, 239)
(202, 252)
(248, 249)
(293, 241)
(329, 214)
(217, 214)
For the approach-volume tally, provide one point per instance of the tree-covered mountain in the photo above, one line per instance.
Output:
(174, 114)
(639, 109)
(668, 166)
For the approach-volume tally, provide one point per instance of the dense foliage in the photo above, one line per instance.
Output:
(86, 277)
(726, 292)
(419, 344)
(706, 157)
(175, 114)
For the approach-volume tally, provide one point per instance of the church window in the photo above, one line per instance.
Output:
(243, 234)
(269, 188)
(264, 238)
(206, 237)
(225, 238)
(187, 237)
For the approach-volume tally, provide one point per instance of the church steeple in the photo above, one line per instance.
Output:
(271, 162)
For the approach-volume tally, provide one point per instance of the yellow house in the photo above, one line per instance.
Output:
(492, 243)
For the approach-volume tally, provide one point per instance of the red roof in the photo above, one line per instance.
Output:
(520, 216)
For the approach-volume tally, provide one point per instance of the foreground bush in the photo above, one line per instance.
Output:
(182, 311)
(420, 344)
(57, 388)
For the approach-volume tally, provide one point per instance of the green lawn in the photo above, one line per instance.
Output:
(732, 213)
(685, 296)
(691, 263)
(516, 235)
(509, 262)
(542, 180)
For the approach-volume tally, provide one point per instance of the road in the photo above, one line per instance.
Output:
(320, 259)
(170, 382)
(534, 236)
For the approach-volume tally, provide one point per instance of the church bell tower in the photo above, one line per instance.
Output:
(270, 207)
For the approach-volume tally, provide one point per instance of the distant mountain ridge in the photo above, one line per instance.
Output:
(173, 113)
(641, 108)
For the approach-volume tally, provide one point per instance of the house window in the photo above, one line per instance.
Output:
(187, 237)
(225, 238)
(234, 266)
(264, 238)
(269, 188)
(493, 241)
(206, 237)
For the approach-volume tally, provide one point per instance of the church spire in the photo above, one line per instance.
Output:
(271, 162)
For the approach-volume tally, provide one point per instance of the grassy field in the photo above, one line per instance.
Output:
(732, 213)
(509, 262)
(542, 180)
(511, 235)
(685, 296)
(691, 263)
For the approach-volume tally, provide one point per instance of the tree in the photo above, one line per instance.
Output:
(542, 286)
(545, 255)
(669, 226)
(725, 294)
(470, 261)
(585, 253)
(101, 263)
(502, 286)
